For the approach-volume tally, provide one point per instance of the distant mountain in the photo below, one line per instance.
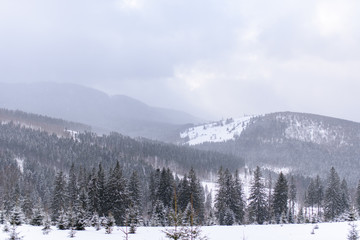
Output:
(296, 142)
(59, 127)
(86, 105)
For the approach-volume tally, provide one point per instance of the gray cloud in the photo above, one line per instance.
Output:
(210, 58)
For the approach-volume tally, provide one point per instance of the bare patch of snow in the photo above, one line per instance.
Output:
(220, 131)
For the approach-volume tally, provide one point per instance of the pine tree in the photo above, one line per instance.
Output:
(257, 199)
(332, 205)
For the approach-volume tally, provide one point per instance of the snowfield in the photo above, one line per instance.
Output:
(326, 231)
(220, 131)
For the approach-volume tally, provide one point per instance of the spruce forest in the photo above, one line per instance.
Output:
(74, 182)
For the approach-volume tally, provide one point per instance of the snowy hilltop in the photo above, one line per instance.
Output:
(220, 131)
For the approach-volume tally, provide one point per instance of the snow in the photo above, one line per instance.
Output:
(308, 130)
(326, 231)
(220, 131)
(20, 163)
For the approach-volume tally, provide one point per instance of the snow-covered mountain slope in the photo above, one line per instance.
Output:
(305, 143)
(220, 131)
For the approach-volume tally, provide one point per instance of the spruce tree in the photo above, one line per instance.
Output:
(197, 197)
(332, 200)
(257, 199)
(280, 197)
(358, 198)
(319, 193)
(237, 202)
(345, 197)
(58, 197)
(93, 203)
(117, 196)
(220, 197)
(72, 190)
(292, 199)
(101, 182)
(353, 232)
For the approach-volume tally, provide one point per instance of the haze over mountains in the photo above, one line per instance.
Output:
(297, 142)
(86, 105)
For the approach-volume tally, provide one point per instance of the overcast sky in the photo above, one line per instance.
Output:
(211, 58)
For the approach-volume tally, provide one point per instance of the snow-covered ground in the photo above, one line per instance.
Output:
(326, 231)
(220, 131)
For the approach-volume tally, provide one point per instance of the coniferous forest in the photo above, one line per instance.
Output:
(102, 181)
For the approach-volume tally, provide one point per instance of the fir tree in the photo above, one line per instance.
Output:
(358, 198)
(280, 197)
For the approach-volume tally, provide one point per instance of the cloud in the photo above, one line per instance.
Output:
(221, 57)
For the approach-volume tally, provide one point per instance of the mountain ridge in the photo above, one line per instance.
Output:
(104, 113)
(306, 143)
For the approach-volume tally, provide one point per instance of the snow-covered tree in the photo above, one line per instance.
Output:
(257, 200)
(59, 196)
(353, 232)
(280, 197)
(332, 200)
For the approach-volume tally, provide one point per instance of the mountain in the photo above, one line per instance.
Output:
(59, 127)
(92, 107)
(297, 142)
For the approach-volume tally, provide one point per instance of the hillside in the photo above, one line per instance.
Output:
(303, 143)
(102, 112)
(38, 122)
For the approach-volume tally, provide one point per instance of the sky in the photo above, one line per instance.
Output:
(211, 58)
